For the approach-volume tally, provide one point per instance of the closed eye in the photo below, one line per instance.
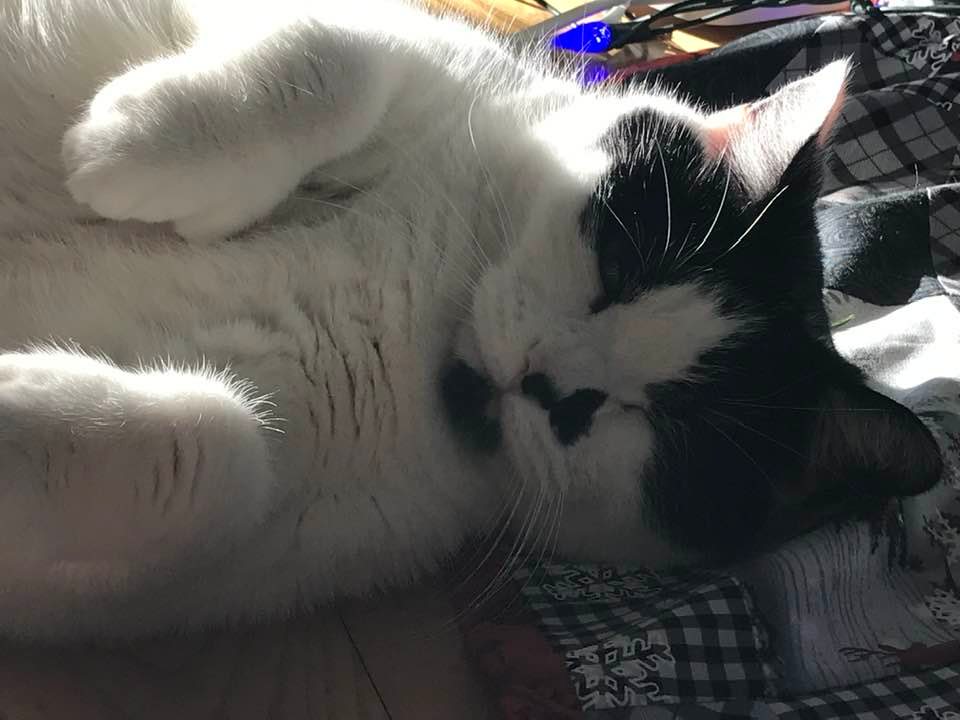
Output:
(601, 303)
(620, 269)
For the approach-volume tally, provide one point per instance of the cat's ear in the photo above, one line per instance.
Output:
(760, 140)
(867, 445)
(865, 450)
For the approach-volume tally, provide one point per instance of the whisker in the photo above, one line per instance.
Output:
(738, 446)
(706, 238)
(504, 528)
(477, 247)
(754, 223)
(497, 200)
(758, 433)
(503, 576)
(780, 389)
(550, 539)
(553, 537)
(666, 183)
(683, 246)
(467, 281)
(803, 409)
(634, 240)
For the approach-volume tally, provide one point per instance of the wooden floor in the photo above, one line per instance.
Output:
(399, 659)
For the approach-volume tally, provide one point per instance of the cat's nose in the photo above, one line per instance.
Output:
(530, 363)
(537, 386)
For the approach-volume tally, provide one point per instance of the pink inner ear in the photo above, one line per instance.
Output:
(826, 130)
(760, 139)
(720, 127)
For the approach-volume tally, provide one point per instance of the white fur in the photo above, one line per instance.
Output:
(204, 430)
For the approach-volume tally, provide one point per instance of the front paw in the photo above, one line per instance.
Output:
(140, 153)
(104, 173)
(164, 143)
(121, 157)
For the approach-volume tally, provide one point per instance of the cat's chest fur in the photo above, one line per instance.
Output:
(344, 321)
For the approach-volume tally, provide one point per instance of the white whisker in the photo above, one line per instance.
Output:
(738, 446)
(468, 281)
(515, 554)
(716, 218)
(755, 221)
(504, 526)
(498, 202)
(477, 247)
(634, 240)
(666, 185)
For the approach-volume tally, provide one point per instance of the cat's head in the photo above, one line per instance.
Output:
(652, 358)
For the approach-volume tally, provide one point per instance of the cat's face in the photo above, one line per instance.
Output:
(652, 357)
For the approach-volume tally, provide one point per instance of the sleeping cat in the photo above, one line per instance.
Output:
(312, 293)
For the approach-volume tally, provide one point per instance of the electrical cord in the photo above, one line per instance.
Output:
(572, 32)
(644, 29)
(545, 29)
(547, 6)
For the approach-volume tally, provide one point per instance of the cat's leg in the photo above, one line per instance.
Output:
(216, 136)
(113, 478)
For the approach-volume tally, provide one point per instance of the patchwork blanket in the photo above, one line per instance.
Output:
(851, 621)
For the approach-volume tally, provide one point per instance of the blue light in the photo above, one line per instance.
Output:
(595, 73)
(588, 37)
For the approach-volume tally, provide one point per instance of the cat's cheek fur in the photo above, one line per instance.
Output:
(586, 499)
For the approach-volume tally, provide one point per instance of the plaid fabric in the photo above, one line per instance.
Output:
(636, 637)
(945, 236)
(933, 695)
(898, 126)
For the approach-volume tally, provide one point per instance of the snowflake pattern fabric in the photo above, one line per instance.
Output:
(635, 637)
(621, 671)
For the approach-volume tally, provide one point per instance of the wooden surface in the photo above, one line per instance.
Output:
(503, 15)
(398, 659)
(513, 15)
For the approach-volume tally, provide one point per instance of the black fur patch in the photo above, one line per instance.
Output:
(571, 417)
(465, 394)
(737, 454)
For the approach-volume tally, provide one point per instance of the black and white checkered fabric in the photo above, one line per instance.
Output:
(899, 126)
(933, 695)
(635, 637)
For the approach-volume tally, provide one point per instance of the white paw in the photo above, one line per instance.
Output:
(114, 156)
(107, 171)
(119, 474)
(144, 152)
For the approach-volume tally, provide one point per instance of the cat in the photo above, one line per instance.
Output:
(297, 298)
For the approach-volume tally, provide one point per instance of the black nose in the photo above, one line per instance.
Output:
(572, 416)
(538, 387)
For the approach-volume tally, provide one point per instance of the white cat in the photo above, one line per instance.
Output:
(355, 288)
